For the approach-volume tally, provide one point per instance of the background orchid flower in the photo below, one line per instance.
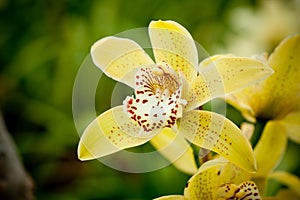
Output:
(220, 179)
(165, 93)
(277, 97)
(217, 180)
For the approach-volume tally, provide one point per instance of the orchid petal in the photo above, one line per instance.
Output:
(284, 194)
(171, 197)
(241, 101)
(261, 182)
(173, 44)
(224, 74)
(247, 190)
(117, 57)
(212, 175)
(205, 182)
(214, 132)
(107, 134)
(290, 180)
(235, 72)
(292, 125)
(283, 88)
(278, 95)
(176, 149)
(270, 148)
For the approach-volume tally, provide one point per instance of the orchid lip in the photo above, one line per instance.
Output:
(157, 99)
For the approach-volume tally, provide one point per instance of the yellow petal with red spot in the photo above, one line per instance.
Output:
(247, 190)
(278, 95)
(214, 132)
(224, 74)
(173, 44)
(210, 177)
(107, 134)
(282, 89)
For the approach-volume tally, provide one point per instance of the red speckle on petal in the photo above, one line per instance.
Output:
(134, 117)
(156, 101)
(173, 118)
(134, 108)
(170, 102)
(139, 92)
(173, 111)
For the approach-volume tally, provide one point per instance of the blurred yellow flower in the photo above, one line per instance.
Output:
(261, 28)
(277, 97)
(166, 92)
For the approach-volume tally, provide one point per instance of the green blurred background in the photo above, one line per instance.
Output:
(42, 46)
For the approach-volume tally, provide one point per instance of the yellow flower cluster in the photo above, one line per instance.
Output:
(164, 110)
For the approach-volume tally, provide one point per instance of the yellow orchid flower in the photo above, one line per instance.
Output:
(277, 97)
(165, 93)
(219, 179)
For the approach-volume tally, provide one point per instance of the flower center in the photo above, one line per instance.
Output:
(158, 80)
(157, 102)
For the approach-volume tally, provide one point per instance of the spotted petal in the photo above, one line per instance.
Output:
(245, 191)
(283, 89)
(224, 74)
(107, 134)
(273, 140)
(117, 57)
(278, 95)
(211, 176)
(173, 44)
(157, 101)
(176, 149)
(214, 132)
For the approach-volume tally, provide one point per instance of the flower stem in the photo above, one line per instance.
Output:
(259, 127)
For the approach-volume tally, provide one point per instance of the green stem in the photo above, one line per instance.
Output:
(259, 127)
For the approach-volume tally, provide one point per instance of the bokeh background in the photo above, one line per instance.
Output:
(42, 46)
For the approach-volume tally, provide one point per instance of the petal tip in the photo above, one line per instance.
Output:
(83, 153)
(169, 25)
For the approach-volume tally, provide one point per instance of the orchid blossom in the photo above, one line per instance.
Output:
(166, 92)
(219, 179)
(277, 97)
